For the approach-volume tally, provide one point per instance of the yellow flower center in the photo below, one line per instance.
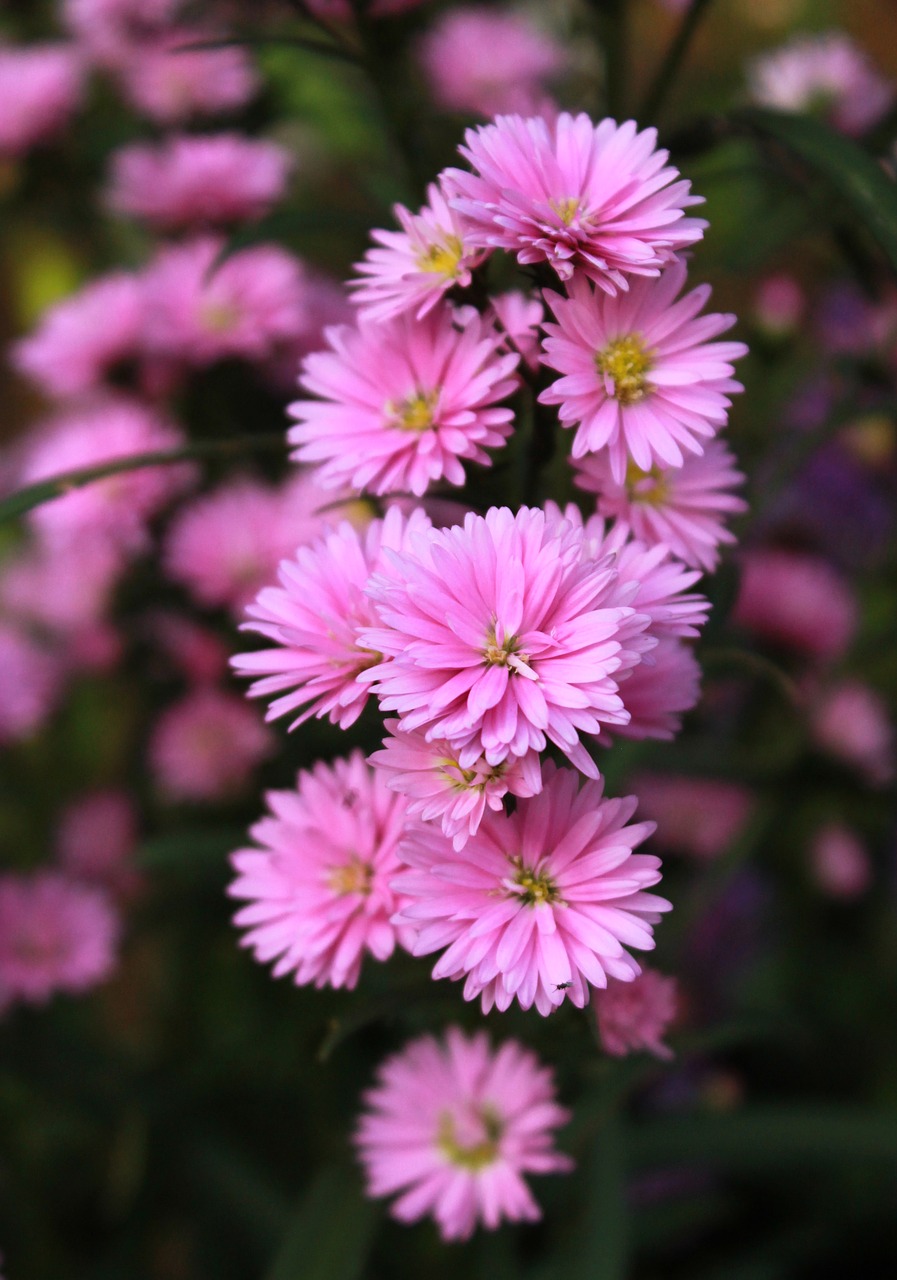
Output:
(649, 487)
(626, 362)
(503, 651)
(567, 209)
(219, 317)
(415, 412)
(354, 877)
(466, 779)
(472, 1156)
(442, 259)
(537, 885)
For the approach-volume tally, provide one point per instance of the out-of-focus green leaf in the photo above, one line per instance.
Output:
(852, 174)
(330, 1235)
(183, 850)
(602, 1246)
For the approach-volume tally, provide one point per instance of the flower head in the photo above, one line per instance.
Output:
(171, 79)
(40, 88)
(318, 888)
(205, 746)
(584, 197)
(453, 1125)
(96, 838)
(540, 903)
(635, 1015)
(641, 377)
(696, 816)
(796, 600)
(30, 680)
(402, 402)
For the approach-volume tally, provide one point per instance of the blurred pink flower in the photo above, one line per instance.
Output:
(40, 89)
(109, 30)
(96, 839)
(488, 61)
(315, 618)
(55, 935)
(699, 817)
(436, 786)
(502, 634)
(839, 862)
(635, 1015)
(682, 507)
(410, 270)
(779, 304)
(63, 589)
(205, 747)
(200, 309)
(642, 378)
(198, 181)
(823, 72)
(403, 402)
(118, 507)
(170, 80)
(194, 651)
(318, 889)
(797, 600)
(851, 722)
(30, 680)
(658, 692)
(540, 903)
(581, 196)
(81, 340)
(453, 1125)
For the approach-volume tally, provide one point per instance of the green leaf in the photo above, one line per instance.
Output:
(190, 850)
(331, 1232)
(850, 173)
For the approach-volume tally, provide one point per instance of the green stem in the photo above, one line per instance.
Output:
(34, 495)
(666, 73)
(610, 16)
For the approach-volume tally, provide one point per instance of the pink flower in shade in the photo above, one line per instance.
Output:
(539, 904)
(635, 1015)
(55, 935)
(63, 590)
(30, 679)
(825, 73)
(83, 339)
(589, 198)
(40, 89)
(698, 817)
(519, 317)
(435, 786)
(661, 689)
(227, 544)
(839, 862)
(779, 305)
(501, 634)
(410, 270)
(453, 1125)
(797, 600)
(487, 61)
(198, 181)
(96, 838)
(685, 508)
(193, 651)
(402, 402)
(851, 722)
(110, 29)
(318, 890)
(315, 618)
(200, 309)
(170, 80)
(118, 507)
(641, 377)
(205, 747)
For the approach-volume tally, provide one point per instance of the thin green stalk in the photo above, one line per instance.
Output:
(675, 55)
(613, 32)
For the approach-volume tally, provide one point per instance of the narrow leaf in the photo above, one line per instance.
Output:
(330, 1234)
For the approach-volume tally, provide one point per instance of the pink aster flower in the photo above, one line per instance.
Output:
(64, 590)
(797, 600)
(583, 197)
(170, 80)
(315, 617)
(410, 270)
(318, 889)
(40, 89)
(685, 508)
(635, 1015)
(851, 722)
(698, 817)
(501, 634)
(193, 651)
(118, 507)
(779, 305)
(55, 935)
(826, 73)
(110, 29)
(659, 691)
(453, 1125)
(641, 377)
(540, 903)
(81, 340)
(402, 402)
(205, 747)
(30, 680)
(200, 309)
(435, 786)
(487, 61)
(839, 862)
(205, 180)
(96, 838)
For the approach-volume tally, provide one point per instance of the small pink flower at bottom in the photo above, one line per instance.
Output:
(452, 1126)
(635, 1015)
(540, 903)
(205, 747)
(318, 889)
(55, 935)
